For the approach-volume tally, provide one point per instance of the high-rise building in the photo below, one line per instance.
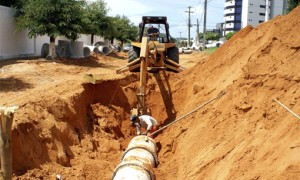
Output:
(240, 13)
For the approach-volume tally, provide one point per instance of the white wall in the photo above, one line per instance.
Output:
(17, 44)
(12, 43)
(277, 7)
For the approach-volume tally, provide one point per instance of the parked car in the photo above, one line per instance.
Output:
(214, 44)
(126, 47)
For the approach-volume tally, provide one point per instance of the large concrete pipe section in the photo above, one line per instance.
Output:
(88, 50)
(112, 49)
(138, 160)
(45, 50)
(76, 49)
(64, 48)
(103, 49)
(188, 51)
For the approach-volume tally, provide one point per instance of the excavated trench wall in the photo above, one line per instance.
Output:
(54, 127)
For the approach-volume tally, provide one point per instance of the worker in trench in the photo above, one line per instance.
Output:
(144, 121)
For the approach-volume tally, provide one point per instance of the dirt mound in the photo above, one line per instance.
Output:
(244, 134)
(77, 130)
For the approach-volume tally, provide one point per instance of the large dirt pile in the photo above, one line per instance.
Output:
(79, 131)
(244, 134)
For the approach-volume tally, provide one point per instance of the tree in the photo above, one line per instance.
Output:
(229, 35)
(291, 5)
(210, 36)
(52, 18)
(95, 19)
(122, 29)
(8, 3)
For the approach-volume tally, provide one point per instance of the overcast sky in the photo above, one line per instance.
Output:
(173, 9)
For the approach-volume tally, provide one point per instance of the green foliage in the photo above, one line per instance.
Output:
(291, 5)
(210, 36)
(9, 3)
(122, 29)
(173, 40)
(210, 50)
(95, 18)
(51, 17)
(229, 35)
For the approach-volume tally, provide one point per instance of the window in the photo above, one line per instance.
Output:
(262, 14)
(260, 21)
(262, 6)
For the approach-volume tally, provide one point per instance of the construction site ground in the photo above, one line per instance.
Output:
(65, 126)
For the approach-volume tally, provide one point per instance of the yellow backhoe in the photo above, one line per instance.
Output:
(152, 53)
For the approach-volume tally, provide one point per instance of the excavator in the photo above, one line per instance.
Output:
(150, 54)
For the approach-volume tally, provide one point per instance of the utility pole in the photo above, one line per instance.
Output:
(189, 25)
(198, 27)
(204, 24)
(180, 38)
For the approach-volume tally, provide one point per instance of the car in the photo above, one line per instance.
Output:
(214, 44)
(126, 47)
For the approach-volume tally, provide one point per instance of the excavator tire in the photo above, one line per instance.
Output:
(173, 54)
(133, 54)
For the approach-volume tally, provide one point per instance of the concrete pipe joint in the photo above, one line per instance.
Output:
(138, 160)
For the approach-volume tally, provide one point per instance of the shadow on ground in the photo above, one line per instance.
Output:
(13, 84)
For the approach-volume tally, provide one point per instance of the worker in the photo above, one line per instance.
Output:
(144, 121)
(153, 33)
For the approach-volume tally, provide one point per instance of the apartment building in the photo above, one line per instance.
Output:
(240, 13)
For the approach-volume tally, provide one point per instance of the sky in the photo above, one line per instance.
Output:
(174, 10)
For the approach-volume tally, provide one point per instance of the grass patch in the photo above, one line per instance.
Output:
(210, 50)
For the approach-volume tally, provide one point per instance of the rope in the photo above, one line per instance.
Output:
(195, 110)
(114, 94)
(286, 108)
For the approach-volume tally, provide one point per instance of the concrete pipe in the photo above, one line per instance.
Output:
(45, 50)
(104, 50)
(112, 49)
(64, 48)
(180, 50)
(118, 48)
(99, 43)
(76, 49)
(88, 50)
(188, 51)
(138, 160)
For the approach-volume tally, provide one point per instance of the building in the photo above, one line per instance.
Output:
(240, 13)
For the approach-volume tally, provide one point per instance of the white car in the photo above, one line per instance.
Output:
(214, 44)
(126, 47)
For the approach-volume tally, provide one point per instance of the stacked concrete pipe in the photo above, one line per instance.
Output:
(103, 49)
(45, 50)
(64, 49)
(138, 160)
(88, 50)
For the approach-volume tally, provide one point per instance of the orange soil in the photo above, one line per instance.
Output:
(77, 130)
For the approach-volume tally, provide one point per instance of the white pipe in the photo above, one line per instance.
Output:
(188, 51)
(103, 49)
(112, 49)
(138, 160)
(88, 50)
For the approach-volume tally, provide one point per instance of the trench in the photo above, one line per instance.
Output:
(91, 129)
